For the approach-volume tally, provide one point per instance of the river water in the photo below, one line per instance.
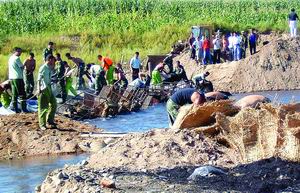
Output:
(25, 175)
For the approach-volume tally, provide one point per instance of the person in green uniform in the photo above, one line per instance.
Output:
(15, 74)
(60, 71)
(156, 76)
(69, 80)
(29, 67)
(46, 100)
(48, 51)
(5, 97)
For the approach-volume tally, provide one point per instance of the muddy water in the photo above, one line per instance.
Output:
(25, 175)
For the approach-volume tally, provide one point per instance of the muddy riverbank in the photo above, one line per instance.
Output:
(20, 136)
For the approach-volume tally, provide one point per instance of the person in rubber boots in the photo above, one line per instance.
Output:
(15, 70)
(69, 80)
(46, 100)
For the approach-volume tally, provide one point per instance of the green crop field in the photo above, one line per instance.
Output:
(118, 28)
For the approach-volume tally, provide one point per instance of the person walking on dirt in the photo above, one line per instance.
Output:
(29, 67)
(191, 43)
(135, 64)
(46, 100)
(244, 43)
(206, 51)
(60, 71)
(107, 65)
(48, 51)
(217, 50)
(181, 98)
(15, 74)
(252, 42)
(80, 70)
(293, 17)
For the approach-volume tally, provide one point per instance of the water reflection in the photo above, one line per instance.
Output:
(24, 175)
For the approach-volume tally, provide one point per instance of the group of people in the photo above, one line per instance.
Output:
(232, 47)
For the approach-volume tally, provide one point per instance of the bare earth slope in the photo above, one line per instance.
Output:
(274, 67)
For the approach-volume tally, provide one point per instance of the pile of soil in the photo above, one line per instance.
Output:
(274, 67)
(20, 136)
(227, 141)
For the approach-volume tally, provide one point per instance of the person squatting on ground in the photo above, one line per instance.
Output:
(200, 79)
(135, 64)
(293, 17)
(179, 72)
(60, 72)
(46, 100)
(181, 98)
(48, 51)
(80, 70)
(29, 67)
(15, 74)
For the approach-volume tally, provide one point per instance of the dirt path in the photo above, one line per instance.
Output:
(20, 136)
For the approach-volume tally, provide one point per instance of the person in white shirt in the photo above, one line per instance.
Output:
(230, 46)
(15, 75)
(217, 50)
(197, 45)
(135, 64)
(236, 40)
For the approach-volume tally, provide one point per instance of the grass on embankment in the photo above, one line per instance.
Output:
(119, 28)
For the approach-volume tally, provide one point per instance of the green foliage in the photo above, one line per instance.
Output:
(121, 27)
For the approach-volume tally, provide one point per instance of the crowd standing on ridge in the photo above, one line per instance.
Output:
(232, 47)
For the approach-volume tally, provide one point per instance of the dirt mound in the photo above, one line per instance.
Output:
(248, 136)
(274, 67)
(20, 136)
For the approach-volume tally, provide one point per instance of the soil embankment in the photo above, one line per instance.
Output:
(161, 160)
(274, 67)
(20, 136)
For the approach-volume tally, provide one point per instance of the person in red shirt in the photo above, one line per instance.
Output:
(206, 51)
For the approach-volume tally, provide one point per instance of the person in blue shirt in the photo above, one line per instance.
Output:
(252, 42)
